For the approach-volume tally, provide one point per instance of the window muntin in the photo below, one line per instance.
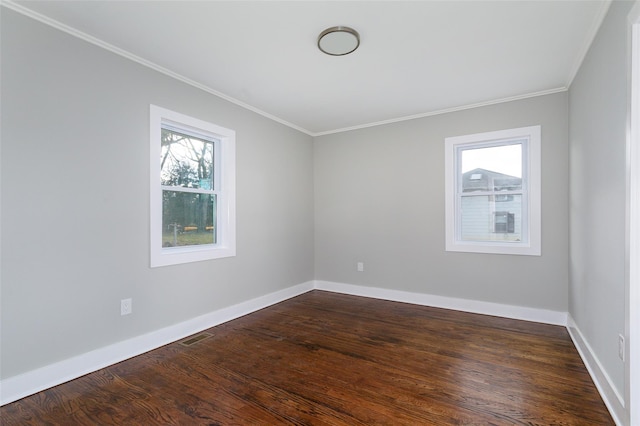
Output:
(493, 192)
(192, 189)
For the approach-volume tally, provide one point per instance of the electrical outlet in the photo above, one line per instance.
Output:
(126, 306)
(360, 267)
(621, 346)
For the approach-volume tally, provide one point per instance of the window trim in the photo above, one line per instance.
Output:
(532, 192)
(225, 245)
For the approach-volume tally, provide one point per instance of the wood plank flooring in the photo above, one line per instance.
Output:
(330, 359)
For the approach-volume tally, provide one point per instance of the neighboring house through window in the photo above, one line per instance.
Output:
(192, 189)
(493, 192)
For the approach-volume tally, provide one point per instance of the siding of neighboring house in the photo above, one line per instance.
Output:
(478, 218)
(479, 211)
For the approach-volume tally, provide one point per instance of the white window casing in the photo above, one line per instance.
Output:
(221, 190)
(523, 237)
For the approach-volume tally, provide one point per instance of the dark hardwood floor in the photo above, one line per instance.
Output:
(325, 358)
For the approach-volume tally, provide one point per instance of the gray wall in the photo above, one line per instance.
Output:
(598, 114)
(75, 201)
(379, 199)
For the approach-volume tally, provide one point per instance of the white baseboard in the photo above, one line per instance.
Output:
(610, 395)
(34, 381)
(474, 306)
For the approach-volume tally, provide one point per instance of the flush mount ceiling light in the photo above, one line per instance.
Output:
(338, 41)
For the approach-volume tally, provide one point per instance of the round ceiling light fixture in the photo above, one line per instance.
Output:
(338, 41)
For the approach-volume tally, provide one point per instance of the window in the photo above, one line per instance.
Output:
(192, 189)
(504, 223)
(493, 192)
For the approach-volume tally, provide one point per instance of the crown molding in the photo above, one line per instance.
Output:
(445, 111)
(10, 4)
(135, 58)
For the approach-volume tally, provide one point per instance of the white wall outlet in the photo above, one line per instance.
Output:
(621, 350)
(360, 266)
(126, 306)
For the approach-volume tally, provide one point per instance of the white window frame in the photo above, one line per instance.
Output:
(531, 204)
(225, 190)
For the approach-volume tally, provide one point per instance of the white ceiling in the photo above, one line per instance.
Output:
(416, 58)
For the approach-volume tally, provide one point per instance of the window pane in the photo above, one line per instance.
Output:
(495, 168)
(188, 219)
(491, 218)
(186, 161)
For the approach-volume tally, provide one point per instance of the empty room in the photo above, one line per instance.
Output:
(320, 212)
